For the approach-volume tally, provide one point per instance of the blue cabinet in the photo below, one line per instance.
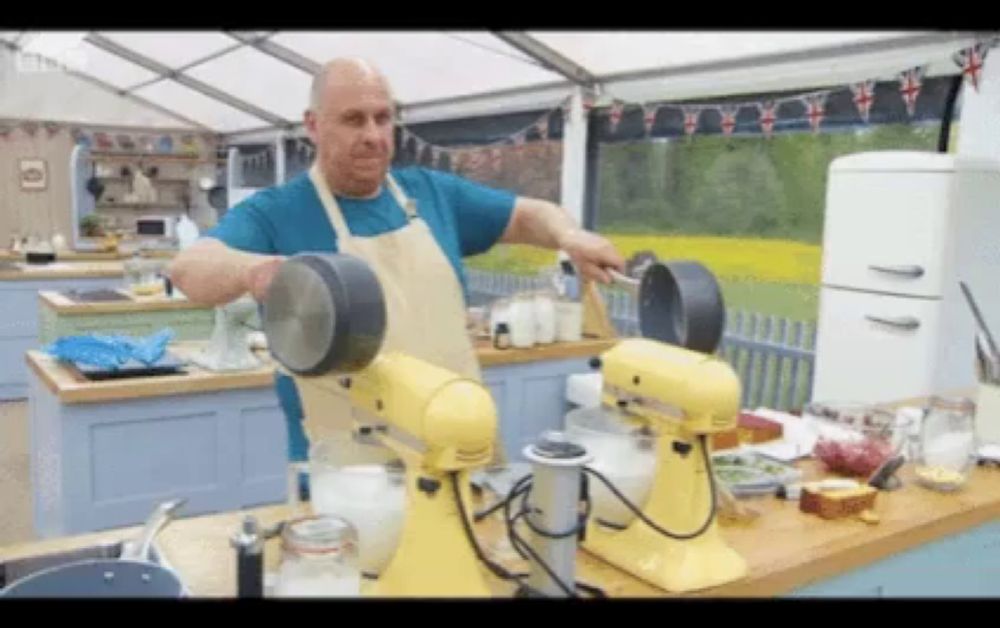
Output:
(964, 565)
(530, 398)
(19, 326)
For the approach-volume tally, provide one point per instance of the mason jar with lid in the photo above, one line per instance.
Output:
(319, 558)
(947, 443)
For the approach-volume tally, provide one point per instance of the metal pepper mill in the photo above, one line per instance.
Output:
(556, 492)
(249, 546)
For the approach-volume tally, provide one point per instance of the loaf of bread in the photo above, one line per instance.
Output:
(837, 503)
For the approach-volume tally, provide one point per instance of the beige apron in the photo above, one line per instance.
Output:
(425, 306)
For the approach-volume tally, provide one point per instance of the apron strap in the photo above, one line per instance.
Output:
(408, 205)
(334, 212)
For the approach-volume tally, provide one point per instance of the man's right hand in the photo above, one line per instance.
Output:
(260, 274)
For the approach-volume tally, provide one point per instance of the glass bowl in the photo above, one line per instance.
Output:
(855, 439)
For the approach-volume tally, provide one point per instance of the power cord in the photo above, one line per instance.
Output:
(638, 512)
(521, 488)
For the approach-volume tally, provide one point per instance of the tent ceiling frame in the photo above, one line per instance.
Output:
(119, 92)
(276, 50)
(548, 57)
(196, 62)
(165, 72)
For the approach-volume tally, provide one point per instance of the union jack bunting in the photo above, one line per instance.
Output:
(728, 119)
(971, 61)
(864, 97)
(691, 115)
(615, 115)
(649, 117)
(767, 117)
(909, 87)
(815, 110)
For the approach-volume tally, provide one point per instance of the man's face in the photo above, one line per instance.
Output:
(353, 133)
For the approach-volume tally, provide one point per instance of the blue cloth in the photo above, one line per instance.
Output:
(466, 218)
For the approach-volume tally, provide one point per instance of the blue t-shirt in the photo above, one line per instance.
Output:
(466, 218)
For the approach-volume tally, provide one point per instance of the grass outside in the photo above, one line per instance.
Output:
(771, 277)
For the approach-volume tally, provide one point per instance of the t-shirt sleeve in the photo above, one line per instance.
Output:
(244, 227)
(482, 213)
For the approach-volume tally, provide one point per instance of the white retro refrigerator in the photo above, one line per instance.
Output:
(901, 229)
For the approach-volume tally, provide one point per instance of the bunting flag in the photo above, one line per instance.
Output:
(728, 119)
(815, 110)
(649, 116)
(971, 61)
(767, 117)
(51, 129)
(691, 115)
(909, 87)
(543, 127)
(615, 115)
(29, 128)
(864, 97)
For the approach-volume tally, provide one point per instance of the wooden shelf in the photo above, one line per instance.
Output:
(138, 206)
(98, 155)
(154, 180)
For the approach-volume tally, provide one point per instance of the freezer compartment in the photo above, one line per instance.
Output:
(875, 348)
(889, 231)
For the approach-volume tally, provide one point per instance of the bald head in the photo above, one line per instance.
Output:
(350, 119)
(348, 73)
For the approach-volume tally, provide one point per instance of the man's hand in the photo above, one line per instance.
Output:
(259, 276)
(591, 254)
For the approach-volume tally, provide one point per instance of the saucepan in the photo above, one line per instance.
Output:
(324, 313)
(107, 578)
(680, 303)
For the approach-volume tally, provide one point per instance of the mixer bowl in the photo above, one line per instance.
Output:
(622, 454)
(364, 484)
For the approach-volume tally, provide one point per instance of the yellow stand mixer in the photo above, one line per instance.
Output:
(683, 396)
(325, 321)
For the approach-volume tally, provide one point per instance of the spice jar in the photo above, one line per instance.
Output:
(501, 336)
(947, 444)
(319, 558)
(569, 320)
(545, 317)
(521, 315)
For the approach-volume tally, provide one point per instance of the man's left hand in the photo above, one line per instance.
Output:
(592, 254)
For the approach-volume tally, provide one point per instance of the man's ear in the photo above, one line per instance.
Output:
(310, 122)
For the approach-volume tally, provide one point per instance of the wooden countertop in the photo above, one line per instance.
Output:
(588, 347)
(71, 387)
(785, 548)
(63, 270)
(94, 256)
(62, 304)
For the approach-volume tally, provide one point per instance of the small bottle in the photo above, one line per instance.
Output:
(501, 337)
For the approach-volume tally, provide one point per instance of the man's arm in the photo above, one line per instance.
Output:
(211, 273)
(544, 224)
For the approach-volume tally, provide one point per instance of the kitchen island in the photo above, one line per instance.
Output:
(20, 284)
(104, 452)
(927, 544)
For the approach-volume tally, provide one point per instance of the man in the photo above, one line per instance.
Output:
(413, 226)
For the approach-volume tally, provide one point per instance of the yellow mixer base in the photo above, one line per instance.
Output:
(670, 564)
(434, 557)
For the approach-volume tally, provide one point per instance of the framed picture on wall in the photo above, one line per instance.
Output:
(34, 174)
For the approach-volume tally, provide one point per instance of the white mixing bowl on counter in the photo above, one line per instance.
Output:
(364, 484)
(623, 454)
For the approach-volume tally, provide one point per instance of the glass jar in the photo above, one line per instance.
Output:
(499, 313)
(569, 321)
(363, 482)
(319, 558)
(947, 448)
(545, 317)
(521, 315)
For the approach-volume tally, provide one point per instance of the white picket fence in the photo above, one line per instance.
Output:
(773, 356)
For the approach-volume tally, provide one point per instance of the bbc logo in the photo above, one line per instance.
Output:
(30, 63)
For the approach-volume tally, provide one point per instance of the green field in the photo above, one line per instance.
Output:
(794, 301)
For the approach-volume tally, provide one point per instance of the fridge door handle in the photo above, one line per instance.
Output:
(903, 322)
(911, 270)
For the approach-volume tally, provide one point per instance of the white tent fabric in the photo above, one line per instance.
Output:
(232, 83)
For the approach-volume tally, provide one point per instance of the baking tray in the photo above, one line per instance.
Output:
(758, 480)
(95, 296)
(167, 365)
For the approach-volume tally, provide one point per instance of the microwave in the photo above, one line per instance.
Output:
(156, 226)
